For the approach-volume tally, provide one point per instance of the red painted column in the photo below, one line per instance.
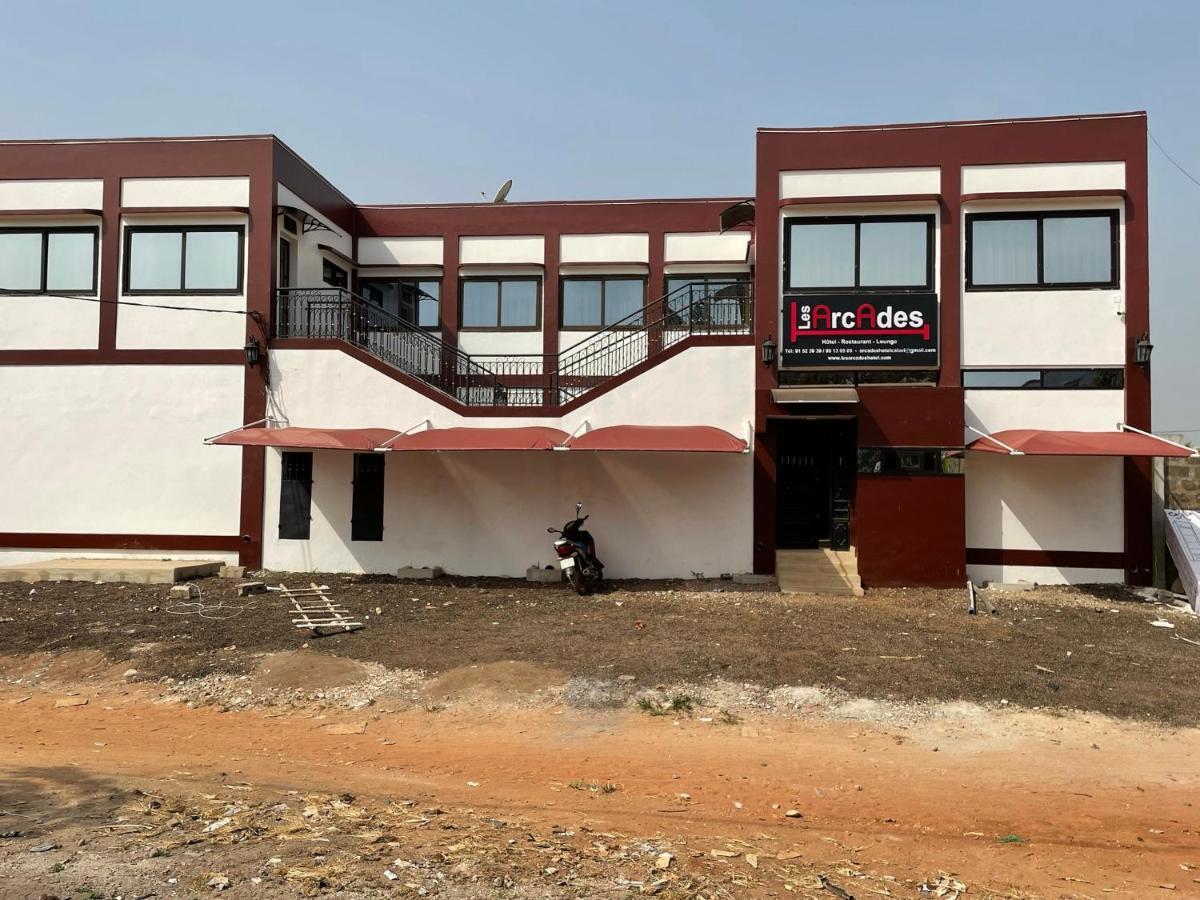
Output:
(110, 262)
(1138, 482)
(950, 282)
(551, 284)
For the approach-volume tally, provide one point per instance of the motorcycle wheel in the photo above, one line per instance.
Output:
(578, 582)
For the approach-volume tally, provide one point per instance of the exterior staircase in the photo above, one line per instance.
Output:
(545, 381)
(818, 571)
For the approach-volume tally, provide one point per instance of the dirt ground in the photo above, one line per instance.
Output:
(496, 739)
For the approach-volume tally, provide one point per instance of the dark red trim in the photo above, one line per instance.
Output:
(699, 340)
(122, 357)
(49, 213)
(501, 265)
(861, 200)
(1073, 559)
(182, 210)
(78, 541)
(110, 262)
(415, 266)
(1046, 195)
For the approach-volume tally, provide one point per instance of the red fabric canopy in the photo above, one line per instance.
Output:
(362, 439)
(691, 438)
(1033, 442)
(532, 437)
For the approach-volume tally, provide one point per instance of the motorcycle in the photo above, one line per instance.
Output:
(576, 551)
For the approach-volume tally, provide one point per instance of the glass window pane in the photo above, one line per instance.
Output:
(1003, 251)
(623, 301)
(20, 262)
(428, 309)
(1002, 379)
(1077, 250)
(581, 303)
(154, 260)
(212, 261)
(70, 261)
(518, 304)
(479, 304)
(822, 256)
(893, 254)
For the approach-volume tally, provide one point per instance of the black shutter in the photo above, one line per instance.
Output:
(366, 515)
(295, 496)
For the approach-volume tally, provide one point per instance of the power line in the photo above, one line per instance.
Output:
(1192, 178)
(208, 309)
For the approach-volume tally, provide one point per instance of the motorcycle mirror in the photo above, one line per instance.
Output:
(578, 506)
(550, 531)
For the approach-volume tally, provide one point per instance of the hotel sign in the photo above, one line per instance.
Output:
(851, 331)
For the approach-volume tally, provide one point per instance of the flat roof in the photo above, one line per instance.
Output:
(963, 123)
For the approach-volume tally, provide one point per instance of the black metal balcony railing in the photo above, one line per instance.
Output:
(541, 380)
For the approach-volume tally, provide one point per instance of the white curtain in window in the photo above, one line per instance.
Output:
(1077, 250)
(70, 261)
(892, 254)
(20, 262)
(822, 255)
(1004, 251)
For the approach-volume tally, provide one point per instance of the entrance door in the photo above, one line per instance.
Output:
(814, 475)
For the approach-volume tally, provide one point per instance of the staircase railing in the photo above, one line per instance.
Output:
(525, 380)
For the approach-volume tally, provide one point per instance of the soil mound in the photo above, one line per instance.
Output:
(508, 680)
(308, 671)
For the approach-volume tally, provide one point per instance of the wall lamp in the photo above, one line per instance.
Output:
(769, 348)
(1142, 350)
(253, 352)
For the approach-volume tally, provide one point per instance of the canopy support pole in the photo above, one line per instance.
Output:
(386, 446)
(1012, 451)
(1121, 426)
(265, 419)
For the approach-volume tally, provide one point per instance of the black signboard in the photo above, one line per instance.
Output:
(854, 331)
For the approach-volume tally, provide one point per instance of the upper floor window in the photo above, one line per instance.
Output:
(501, 303)
(415, 300)
(590, 303)
(1043, 250)
(195, 259)
(48, 260)
(334, 275)
(859, 253)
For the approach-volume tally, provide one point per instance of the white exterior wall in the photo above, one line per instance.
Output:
(1075, 176)
(198, 191)
(61, 193)
(307, 260)
(400, 251)
(996, 410)
(515, 249)
(860, 182)
(119, 450)
(713, 246)
(604, 248)
(654, 512)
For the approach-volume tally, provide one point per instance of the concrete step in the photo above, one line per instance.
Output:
(131, 571)
(818, 571)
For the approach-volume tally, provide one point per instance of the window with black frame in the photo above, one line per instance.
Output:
(592, 303)
(194, 259)
(48, 260)
(413, 300)
(1043, 250)
(910, 461)
(334, 275)
(500, 304)
(718, 300)
(858, 254)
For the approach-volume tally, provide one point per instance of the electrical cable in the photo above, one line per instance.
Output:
(253, 314)
(1171, 160)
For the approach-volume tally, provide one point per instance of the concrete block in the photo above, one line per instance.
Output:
(251, 587)
(750, 578)
(232, 572)
(183, 592)
(419, 573)
(547, 575)
(131, 571)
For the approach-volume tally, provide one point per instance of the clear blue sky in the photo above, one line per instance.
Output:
(408, 101)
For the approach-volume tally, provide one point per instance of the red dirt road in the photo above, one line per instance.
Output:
(1099, 806)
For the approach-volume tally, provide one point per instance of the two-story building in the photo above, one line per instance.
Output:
(923, 346)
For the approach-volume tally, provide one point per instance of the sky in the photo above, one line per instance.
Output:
(411, 102)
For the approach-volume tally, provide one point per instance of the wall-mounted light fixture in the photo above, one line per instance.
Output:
(1142, 350)
(253, 352)
(769, 348)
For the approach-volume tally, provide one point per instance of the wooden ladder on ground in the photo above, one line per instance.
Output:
(818, 571)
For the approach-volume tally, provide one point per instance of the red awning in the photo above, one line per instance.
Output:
(1032, 442)
(533, 437)
(362, 439)
(687, 438)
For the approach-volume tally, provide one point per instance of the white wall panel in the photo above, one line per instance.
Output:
(997, 410)
(502, 249)
(1042, 328)
(119, 449)
(67, 193)
(702, 247)
(604, 248)
(1043, 575)
(860, 182)
(202, 191)
(48, 323)
(400, 251)
(1045, 503)
(1075, 176)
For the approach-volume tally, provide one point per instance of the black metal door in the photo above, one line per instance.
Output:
(814, 479)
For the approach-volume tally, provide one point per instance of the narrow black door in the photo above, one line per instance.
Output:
(366, 513)
(813, 481)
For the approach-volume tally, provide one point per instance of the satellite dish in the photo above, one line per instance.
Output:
(502, 194)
